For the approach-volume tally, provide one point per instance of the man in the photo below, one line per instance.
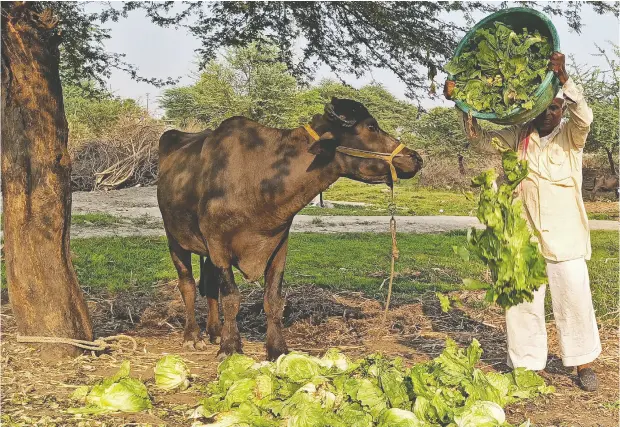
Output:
(554, 208)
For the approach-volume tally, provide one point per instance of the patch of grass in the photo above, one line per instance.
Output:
(411, 199)
(611, 406)
(343, 210)
(601, 215)
(347, 261)
(361, 262)
(95, 220)
(145, 221)
(317, 221)
(358, 262)
(117, 263)
(604, 272)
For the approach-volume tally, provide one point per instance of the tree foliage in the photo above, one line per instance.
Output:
(90, 116)
(601, 88)
(410, 39)
(439, 132)
(253, 82)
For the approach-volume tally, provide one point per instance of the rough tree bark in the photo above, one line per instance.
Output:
(461, 164)
(43, 288)
(610, 158)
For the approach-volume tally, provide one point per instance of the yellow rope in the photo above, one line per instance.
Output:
(100, 344)
(395, 253)
(389, 158)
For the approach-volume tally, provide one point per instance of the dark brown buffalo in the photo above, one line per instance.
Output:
(230, 195)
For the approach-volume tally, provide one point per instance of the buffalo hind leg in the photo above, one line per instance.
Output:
(182, 260)
(231, 299)
(274, 301)
(210, 287)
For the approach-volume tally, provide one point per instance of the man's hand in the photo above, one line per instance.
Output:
(448, 89)
(557, 64)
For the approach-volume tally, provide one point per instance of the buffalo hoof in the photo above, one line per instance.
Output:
(274, 352)
(215, 332)
(229, 347)
(194, 345)
(193, 341)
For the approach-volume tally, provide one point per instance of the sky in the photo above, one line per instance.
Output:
(169, 52)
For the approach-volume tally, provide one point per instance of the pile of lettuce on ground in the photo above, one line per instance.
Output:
(506, 245)
(118, 393)
(500, 69)
(301, 390)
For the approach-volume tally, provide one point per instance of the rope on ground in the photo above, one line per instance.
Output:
(99, 344)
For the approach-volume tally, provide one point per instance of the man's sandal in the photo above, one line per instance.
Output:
(587, 379)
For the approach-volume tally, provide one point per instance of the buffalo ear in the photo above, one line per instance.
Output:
(326, 145)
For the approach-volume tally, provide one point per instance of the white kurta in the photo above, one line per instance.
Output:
(551, 193)
(555, 211)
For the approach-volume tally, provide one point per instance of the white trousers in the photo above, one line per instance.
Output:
(574, 318)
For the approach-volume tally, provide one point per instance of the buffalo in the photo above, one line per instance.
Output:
(229, 195)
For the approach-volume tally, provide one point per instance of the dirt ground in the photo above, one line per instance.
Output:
(315, 319)
(137, 207)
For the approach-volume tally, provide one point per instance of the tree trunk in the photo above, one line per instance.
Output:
(612, 165)
(36, 188)
(461, 164)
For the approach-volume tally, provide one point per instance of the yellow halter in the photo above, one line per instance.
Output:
(392, 206)
(364, 154)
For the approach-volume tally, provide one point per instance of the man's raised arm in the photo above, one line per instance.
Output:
(580, 113)
(479, 138)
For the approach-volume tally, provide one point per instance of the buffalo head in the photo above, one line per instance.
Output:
(349, 133)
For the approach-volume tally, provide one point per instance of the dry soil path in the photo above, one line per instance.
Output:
(141, 217)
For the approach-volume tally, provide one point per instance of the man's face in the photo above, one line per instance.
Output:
(551, 117)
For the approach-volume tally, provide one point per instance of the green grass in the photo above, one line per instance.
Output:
(346, 261)
(95, 220)
(358, 262)
(411, 199)
(604, 272)
(602, 215)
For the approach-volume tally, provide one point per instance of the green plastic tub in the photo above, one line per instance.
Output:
(518, 17)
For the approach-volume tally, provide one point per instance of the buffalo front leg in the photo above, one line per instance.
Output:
(182, 261)
(231, 299)
(274, 301)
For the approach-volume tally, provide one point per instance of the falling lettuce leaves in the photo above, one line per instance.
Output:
(299, 390)
(118, 393)
(505, 246)
(500, 69)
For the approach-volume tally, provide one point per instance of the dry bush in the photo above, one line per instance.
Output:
(125, 155)
(192, 126)
(443, 172)
(594, 165)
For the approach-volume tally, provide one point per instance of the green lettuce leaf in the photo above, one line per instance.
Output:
(481, 414)
(298, 367)
(118, 393)
(400, 418)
